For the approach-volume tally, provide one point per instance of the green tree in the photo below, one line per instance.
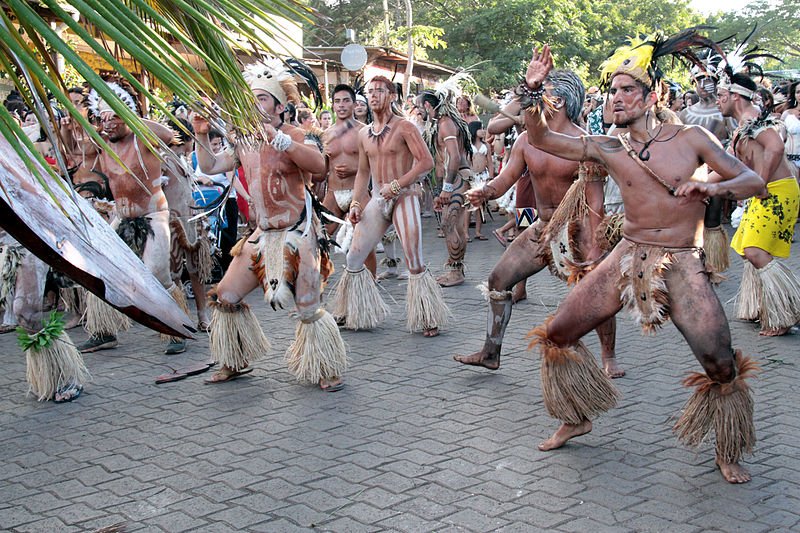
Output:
(777, 32)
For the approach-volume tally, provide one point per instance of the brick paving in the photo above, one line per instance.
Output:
(415, 442)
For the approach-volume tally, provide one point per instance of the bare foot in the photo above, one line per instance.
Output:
(775, 332)
(564, 433)
(486, 360)
(430, 332)
(613, 370)
(733, 472)
(331, 385)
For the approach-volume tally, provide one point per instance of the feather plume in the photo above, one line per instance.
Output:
(640, 58)
(303, 70)
(742, 59)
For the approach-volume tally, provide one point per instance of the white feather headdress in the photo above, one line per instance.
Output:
(272, 76)
(97, 105)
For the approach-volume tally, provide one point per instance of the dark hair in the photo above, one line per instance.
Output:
(344, 87)
(791, 96)
(304, 114)
(289, 112)
(215, 134)
(474, 126)
(387, 82)
(745, 81)
(184, 131)
(428, 96)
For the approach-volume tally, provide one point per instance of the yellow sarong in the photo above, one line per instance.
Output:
(768, 224)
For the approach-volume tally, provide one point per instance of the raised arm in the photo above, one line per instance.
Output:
(207, 161)
(500, 122)
(307, 157)
(732, 179)
(540, 135)
(165, 133)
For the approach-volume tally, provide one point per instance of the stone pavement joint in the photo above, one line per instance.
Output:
(415, 442)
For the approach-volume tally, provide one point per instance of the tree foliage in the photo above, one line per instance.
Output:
(778, 29)
(499, 34)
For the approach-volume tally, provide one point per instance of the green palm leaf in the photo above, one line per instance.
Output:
(156, 34)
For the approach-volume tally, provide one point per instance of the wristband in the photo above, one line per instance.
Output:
(355, 203)
(529, 97)
(447, 187)
(394, 186)
(281, 142)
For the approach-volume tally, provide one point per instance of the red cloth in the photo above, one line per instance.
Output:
(244, 208)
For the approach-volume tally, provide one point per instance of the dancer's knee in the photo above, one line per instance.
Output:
(720, 367)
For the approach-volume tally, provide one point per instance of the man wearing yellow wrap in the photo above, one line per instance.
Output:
(657, 270)
(770, 292)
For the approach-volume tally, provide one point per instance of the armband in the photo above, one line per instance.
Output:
(281, 142)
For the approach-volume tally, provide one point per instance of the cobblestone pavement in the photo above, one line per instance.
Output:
(415, 442)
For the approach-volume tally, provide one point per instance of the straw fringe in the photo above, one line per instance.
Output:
(54, 367)
(748, 299)
(644, 290)
(574, 387)
(728, 408)
(236, 338)
(179, 295)
(780, 296)
(356, 300)
(74, 299)
(318, 351)
(716, 247)
(425, 306)
(101, 319)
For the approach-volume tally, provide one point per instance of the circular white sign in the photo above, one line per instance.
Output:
(354, 56)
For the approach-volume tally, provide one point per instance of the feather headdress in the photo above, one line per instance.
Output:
(272, 76)
(741, 61)
(640, 58)
(303, 70)
(97, 105)
(447, 93)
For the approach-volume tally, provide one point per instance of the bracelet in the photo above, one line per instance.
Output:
(355, 203)
(529, 97)
(394, 186)
(447, 187)
(281, 142)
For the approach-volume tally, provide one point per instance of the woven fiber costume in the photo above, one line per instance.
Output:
(290, 264)
(443, 100)
(573, 388)
(55, 368)
(357, 302)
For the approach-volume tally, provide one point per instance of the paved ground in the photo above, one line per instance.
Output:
(414, 443)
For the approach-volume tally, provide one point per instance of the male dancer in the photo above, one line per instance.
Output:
(141, 213)
(190, 245)
(287, 255)
(451, 148)
(705, 113)
(393, 154)
(770, 292)
(570, 212)
(341, 157)
(657, 270)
